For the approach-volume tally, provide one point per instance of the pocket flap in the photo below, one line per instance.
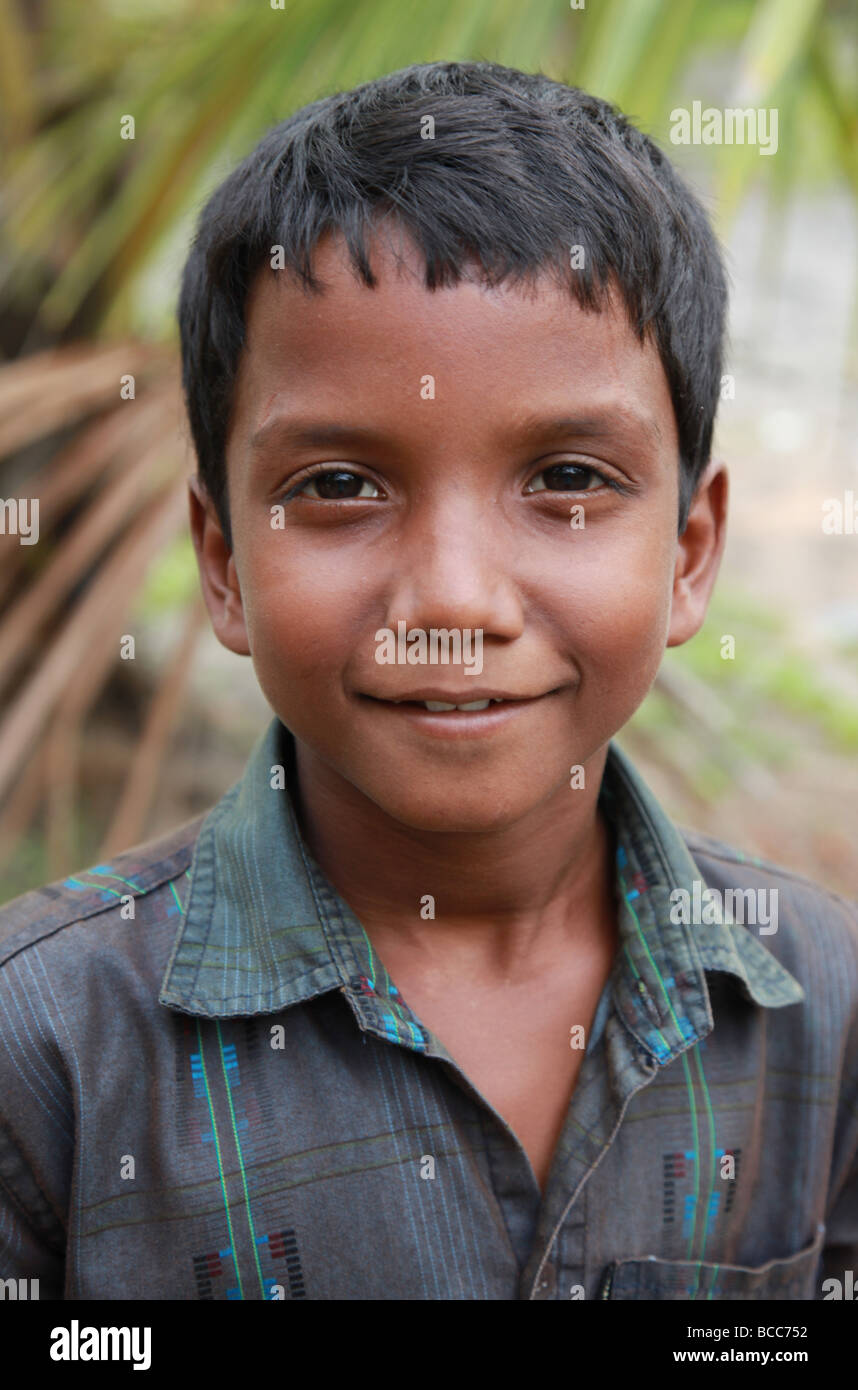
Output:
(654, 1278)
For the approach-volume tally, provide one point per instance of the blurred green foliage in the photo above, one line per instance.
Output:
(774, 702)
(171, 583)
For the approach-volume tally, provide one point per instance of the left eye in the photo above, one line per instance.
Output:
(566, 477)
(335, 484)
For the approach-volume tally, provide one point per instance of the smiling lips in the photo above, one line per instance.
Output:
(458, 714)
(440, 702)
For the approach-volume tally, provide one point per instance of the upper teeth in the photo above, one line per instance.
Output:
(435, 705)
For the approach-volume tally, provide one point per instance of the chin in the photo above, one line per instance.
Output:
(456, 814)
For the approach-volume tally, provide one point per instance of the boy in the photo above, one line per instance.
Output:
(417, 1011)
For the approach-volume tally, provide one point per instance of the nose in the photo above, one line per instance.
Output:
(455, 569)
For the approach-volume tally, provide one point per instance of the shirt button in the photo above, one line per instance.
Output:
(547, 1283)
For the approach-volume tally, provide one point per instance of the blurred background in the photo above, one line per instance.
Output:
(99, 751)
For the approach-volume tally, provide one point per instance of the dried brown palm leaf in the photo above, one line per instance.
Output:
(153, 745)
(96, 618)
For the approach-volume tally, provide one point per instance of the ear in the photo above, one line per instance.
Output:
(218, 575)
(698, 556)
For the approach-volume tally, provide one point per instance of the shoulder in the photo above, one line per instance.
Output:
(88, 906)
(813, 931)
(81, 961)
(728, 863)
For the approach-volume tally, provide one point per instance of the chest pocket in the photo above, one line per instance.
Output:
(652, 1278)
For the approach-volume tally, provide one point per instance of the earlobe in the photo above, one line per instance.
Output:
(698, 556)
(218, 574)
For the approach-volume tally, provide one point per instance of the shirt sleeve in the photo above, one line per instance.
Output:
(840, 1253)
(36, 1137)
(32, 1241)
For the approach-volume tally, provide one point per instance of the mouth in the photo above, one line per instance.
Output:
(457, 716)
(459, 707)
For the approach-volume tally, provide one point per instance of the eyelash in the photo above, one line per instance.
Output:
(319, 470)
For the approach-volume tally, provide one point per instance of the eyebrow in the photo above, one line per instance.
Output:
(311, 434)
(324, 433)
(599, 424)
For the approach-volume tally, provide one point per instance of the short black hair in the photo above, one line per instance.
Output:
(519, 169)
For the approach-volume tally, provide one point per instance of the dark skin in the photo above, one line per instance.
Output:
(446, 517)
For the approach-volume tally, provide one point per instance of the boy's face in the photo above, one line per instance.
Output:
(451, 508)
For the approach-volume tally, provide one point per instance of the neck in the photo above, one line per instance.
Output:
(501, 898)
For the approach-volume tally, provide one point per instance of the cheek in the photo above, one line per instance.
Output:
(613, 605)
(302, 609)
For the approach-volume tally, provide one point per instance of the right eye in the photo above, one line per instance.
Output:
(334, 485)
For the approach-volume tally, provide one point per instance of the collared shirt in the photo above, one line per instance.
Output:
(211, 1088)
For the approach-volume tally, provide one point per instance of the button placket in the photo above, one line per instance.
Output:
(547, 1285)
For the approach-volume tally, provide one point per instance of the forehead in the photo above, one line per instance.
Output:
(492, 351)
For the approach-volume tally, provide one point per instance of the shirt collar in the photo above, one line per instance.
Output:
(262, 927)
(660, 983)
